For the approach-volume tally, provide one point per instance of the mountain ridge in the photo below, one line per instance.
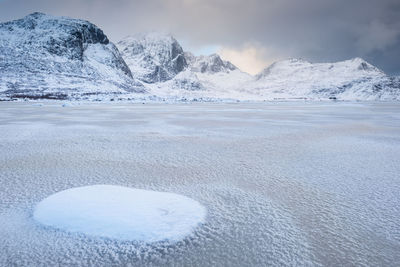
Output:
(154, 57)
(43, 56)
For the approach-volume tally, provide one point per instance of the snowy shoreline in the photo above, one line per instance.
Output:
(183, 100)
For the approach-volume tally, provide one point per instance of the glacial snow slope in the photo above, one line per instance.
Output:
(59, 57)
(153, 57)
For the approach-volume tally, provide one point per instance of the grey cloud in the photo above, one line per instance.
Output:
(317, 30)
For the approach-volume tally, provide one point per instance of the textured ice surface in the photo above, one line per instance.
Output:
(121, 212)
(294, 184)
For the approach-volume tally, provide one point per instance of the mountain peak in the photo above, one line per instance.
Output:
(357, 60)
(150, 37)
(211, 64)
(52, 27)
(36, 15)
(361, 64)
(153, 57)
(295, 60)
(44, 52)
(285, 64)
(354, 65)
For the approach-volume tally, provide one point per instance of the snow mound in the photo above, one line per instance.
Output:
(121, 213)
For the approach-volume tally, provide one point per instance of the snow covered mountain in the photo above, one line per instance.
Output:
(353, 79)
(158, 60)
(348, 80)
(43, 56)
(153, 57)
(205, 77)
(208, 64)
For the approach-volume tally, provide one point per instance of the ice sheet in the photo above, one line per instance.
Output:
(283, 183)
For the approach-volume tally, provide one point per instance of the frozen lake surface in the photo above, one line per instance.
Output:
(304, 184)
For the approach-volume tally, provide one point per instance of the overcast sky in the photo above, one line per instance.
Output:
(250, 33)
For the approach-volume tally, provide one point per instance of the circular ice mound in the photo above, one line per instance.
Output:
(122, 213)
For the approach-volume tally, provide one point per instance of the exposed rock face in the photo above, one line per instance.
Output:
(42, 55)
(153, 57)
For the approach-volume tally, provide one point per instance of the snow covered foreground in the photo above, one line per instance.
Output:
(284, 184)
(122, 213)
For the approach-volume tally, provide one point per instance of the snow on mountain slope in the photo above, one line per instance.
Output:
(153, 57)
(159, 60)
(349, 80)
(43, 56)
(209, 64)
(205, 77)
(212, 77)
